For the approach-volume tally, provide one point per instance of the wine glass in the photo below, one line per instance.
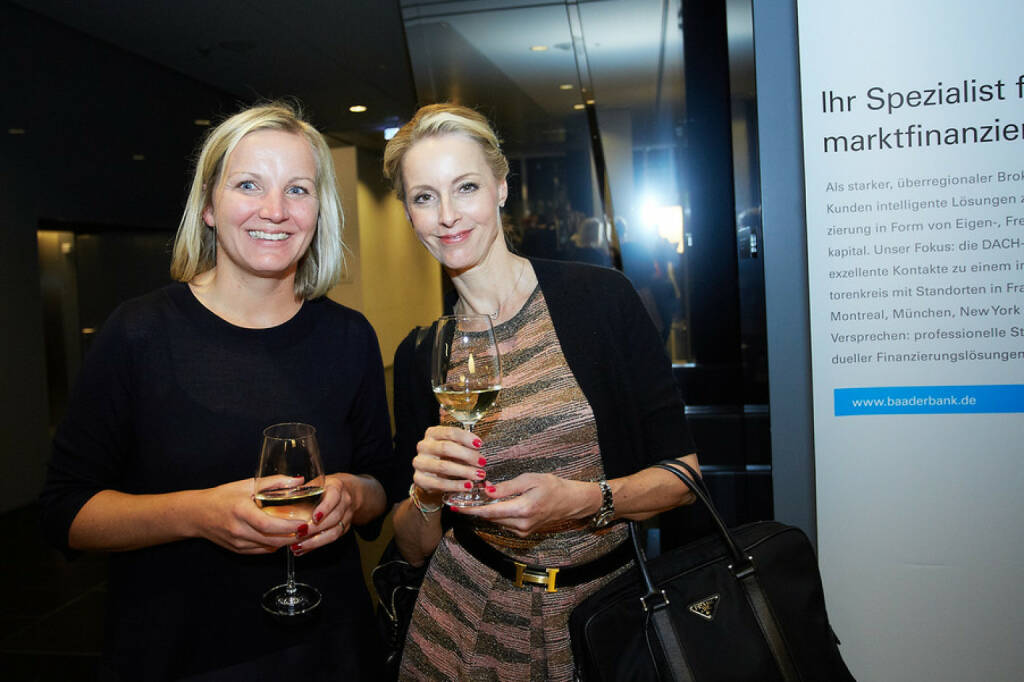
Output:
(466, 377)
(290, 450)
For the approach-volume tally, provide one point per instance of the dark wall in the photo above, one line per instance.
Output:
(85, 108)
(709, 176)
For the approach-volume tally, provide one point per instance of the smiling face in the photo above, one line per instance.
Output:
(264, 206)
(452, 200)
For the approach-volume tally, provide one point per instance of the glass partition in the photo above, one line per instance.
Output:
(631, 130)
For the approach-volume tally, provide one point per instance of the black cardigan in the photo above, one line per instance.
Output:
(612, 348)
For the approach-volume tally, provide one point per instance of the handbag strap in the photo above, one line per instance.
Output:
(740, 561)
(694, 476)
(655, 603)
(744, 571)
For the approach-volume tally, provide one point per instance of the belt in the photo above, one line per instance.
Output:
(551, 578)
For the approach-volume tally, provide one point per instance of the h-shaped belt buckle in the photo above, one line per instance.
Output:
(535, 577)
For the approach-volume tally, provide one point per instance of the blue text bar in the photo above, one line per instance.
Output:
(929, 399)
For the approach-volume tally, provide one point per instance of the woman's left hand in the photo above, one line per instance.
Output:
(332, 518)
(530, 502)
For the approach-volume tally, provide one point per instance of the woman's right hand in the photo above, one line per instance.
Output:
(447, 461)
(228, 516)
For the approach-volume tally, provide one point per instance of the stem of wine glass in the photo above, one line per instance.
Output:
(477, 485)
(290, 584)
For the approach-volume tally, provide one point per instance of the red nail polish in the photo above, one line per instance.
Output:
(319, 515)
(296, 547)
(467, 484)
(454, 508)
(477, 443)
(302, 530)
(482, 462)
(480, 473)
(491, 488)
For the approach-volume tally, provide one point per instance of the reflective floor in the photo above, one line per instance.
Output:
(51, 610)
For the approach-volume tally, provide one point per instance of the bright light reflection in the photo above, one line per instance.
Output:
(667, 221)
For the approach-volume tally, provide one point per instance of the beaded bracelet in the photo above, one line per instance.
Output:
(424, 509)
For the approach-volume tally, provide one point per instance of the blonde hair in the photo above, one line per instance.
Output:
(195, 244)
(442, 119)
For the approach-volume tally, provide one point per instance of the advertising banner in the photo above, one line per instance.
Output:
(913, 132)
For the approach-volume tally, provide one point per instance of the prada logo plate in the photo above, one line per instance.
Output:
(706, 607)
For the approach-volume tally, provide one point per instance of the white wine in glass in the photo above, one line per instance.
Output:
(466, 378)
(291, 450)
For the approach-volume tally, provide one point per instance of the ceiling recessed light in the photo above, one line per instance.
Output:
(138, 157)
(201, 122)
(539, 48)
(577, 107)
(565, 86)
(15, 131)
(357, 108)
(590, 101)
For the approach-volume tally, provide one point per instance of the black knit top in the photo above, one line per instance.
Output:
(171, 397)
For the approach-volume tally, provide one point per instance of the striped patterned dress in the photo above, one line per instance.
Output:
(469, 623)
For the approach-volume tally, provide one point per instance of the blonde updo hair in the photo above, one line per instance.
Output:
(442, 119)
(195, 244)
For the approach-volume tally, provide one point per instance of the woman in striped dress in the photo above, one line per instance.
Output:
(587, 404)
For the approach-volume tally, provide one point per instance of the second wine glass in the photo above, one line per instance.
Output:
(466, 378)
(290, 450)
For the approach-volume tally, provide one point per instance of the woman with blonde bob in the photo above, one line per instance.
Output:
(155, 457)
(195, 248)
(587, 404)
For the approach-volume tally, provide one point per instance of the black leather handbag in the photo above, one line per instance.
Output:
(744, 604)
(397, 584)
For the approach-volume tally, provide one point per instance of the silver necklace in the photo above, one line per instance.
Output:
(501, 304)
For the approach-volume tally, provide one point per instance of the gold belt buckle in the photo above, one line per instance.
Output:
(535, 578)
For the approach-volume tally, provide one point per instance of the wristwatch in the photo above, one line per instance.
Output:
(606, 512)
